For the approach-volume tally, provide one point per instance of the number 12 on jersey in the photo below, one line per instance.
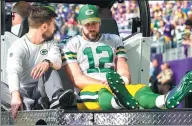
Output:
(92, 69)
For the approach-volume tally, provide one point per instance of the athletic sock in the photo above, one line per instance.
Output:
(107, 101)
(160, 101)
(115, 103)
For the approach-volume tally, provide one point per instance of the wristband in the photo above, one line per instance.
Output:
(48, 61)
(125, 79)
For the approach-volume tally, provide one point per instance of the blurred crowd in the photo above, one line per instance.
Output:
(67, 24)
(161, 77)
(123, 14)
(171, 21)
(67, 13)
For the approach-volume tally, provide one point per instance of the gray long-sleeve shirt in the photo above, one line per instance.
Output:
(23, 56)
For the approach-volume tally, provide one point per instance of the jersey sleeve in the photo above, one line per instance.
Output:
(54, 54)
(69, 52)
(15, 59)
(120, 49)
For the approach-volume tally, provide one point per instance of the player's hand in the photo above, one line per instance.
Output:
(16, 103)
(39, 70)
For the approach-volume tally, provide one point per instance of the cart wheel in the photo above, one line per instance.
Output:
(41, 122)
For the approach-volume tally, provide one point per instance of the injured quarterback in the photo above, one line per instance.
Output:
(97, 65)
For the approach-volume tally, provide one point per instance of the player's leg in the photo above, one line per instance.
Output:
(50, 85)
(5, 97)
(148, 99)
(142, 94)
(129, 93)
(88, 98)
(25, 96)
(97, 97)
(178, 93)
(108, 101)
(117, 86)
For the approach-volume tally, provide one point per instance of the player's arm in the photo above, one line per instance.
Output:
(54, 56)
(52, 60)
(121, 60)
(15, 58)
(71, 66)
(14, 68)
(123, 69)
(77, 77)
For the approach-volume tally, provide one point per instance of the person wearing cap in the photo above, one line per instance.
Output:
(97, 65)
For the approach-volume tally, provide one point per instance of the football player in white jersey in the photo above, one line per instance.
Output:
(96, 64)
(32, 62)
